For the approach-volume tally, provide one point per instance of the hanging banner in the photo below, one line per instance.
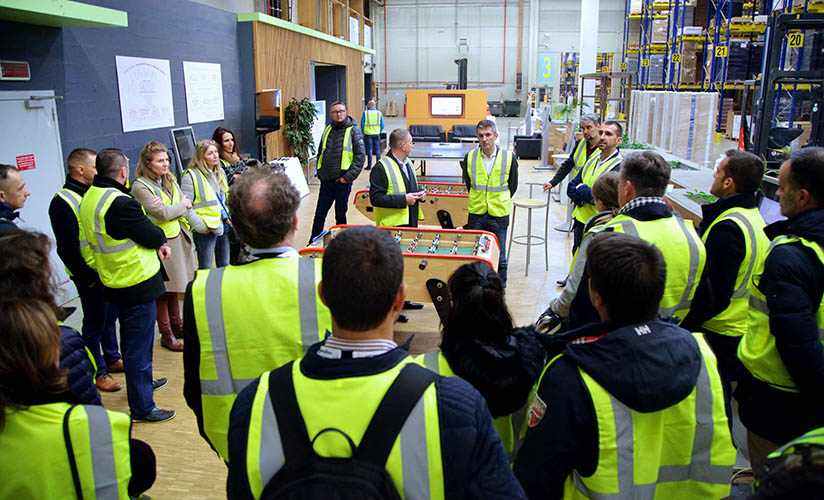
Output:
(546, 68)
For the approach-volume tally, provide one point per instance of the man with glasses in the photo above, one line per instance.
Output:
(340, 160)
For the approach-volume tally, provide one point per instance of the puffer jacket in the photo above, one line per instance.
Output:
(75, 359)
(330, 170)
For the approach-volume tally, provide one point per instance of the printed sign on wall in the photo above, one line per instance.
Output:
(145, 88)
(204, 91)
(546, 68)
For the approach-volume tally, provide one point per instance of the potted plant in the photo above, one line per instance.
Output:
(564, 111)
(299, 116)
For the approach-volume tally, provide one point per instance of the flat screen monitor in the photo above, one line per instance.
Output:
(267, 111)
(183, 148)
(770, 210)
(446, 105)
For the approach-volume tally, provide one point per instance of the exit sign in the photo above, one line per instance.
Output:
(14, 71)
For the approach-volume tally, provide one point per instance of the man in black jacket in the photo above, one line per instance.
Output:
(124, 219)
(340, 160)
(631, 371)
(779, 393)
(99, 316)
(13, 194)
(733, 234)
(349, 372)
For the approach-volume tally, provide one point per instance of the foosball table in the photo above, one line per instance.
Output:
(430, 254)
(451, 198)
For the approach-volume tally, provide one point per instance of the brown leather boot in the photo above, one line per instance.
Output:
(177, 330)
(106, 383)
(168, 340)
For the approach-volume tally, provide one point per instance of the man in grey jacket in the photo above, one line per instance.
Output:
(340, 160)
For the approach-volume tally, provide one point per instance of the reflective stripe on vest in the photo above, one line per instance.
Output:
(590, 173)
(579, 156)
(394, 216)
(414, 464)
(236, 345)
(671, 235)
(35, 459)
(171, 228)
(372, 122)
(489, 194)
(507, 426)
(347, 156)
(119, 263)
(757, 350)
(814, 437)
(733, 320)
(73, 200)
(205, 202)
(707, 474)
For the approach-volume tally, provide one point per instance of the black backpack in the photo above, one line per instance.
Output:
(306, 475)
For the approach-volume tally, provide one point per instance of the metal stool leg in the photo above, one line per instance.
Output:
(546, 234)
(528, 238)
(511, 231)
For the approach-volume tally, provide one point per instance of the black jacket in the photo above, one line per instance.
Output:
(330, 170)
(64, 225)
(567, 165)
(80, 376)
(475, 464)
(725, 251)
(793, 284)
(504, 374)
(581, 310)
(379, 184)
(629, 366)
(125, 220)
(7, 216)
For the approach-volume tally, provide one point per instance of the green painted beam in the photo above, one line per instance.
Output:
(297, 28)
(62, 14)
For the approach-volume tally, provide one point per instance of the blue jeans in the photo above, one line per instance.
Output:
(498, 227)
(210, 245)
(137, 328)
(331, 192)
(373, 146)
(99, 325)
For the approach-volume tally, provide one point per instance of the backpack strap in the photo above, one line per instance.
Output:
(392, 413)
(291, 426)
(72, 464)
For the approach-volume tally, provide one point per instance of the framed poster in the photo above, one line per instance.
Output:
(145, 89)
(204, 91)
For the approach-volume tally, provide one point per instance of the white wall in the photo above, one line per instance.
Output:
(422, 36)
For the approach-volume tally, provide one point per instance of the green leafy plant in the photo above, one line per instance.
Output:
(299, 116)
(564, 111)
(627, 144)
(701, 197)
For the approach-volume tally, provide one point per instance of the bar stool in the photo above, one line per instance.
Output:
(530, 239)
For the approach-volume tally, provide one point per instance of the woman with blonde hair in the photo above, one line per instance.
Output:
(166, 205)
(53, 445)
(204, 182)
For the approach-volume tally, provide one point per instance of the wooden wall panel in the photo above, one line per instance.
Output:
(282, 61)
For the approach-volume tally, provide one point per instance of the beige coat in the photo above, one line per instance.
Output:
(181, 266)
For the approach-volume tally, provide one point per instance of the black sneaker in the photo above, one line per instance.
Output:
(156, 415)
(159, 383)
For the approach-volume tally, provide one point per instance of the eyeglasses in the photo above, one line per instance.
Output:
(338, 112)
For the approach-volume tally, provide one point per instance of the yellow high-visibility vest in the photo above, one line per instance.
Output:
(73, 200)
(171, 228)
(347, 155)
(591, 171)
(489, 193)
(394, 216)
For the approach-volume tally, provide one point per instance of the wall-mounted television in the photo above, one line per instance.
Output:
(446, 105)
(183, 148)
(267, 111)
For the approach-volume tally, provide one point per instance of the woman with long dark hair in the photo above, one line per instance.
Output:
(481, 345)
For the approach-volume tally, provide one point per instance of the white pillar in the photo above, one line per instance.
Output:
(588, 45)
(532, 45)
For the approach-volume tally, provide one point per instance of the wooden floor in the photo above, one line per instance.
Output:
(188, 468)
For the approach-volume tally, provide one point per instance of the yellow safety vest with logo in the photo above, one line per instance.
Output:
(590, 173)
(683, 252)
(206, 203)
(757, 350)
(507, 426)
(170, 227)
(394, 176)
(414, 464)
(347, 156)
(245, 329)
(579, 156)
(684, 451)
(489, 194)
(372, 122)
(73, 200)
(119, 263)
(36, 460)
(733, 320)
